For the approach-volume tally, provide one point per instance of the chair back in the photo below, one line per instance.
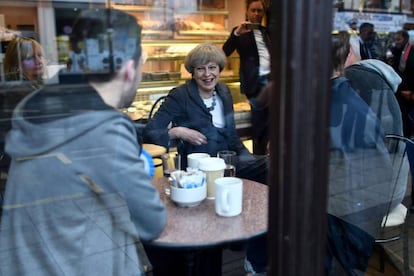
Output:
(378, 92)
(155, 106)
(398, 147)
(367, 184)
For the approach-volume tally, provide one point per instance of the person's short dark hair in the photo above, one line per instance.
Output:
(248, 2)
(365, 25)
(107, 38)
(404, 34)
(353, 23)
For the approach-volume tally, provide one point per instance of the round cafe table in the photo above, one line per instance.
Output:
(200, 234)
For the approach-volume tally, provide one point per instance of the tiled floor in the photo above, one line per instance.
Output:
(395, 249)
(233, 260)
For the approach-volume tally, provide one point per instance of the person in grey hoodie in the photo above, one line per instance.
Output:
(376, 83)
(78, 198)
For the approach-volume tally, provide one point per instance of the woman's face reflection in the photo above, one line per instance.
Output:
(33, 63)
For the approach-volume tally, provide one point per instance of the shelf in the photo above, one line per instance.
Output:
(203, 12)
(164, 22)
(158, 85)
(170, 42)
(147, 86)
(161, 33)
(180, 35)
(204, 33)
(136, 8)
(166, 58)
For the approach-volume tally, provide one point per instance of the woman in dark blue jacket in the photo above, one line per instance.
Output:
(202, 115)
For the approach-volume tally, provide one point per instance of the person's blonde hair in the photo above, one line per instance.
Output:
(203, 54)
(339, 51)
(17, 50)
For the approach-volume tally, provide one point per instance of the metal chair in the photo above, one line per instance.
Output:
(155, 106)
(396, 212)
(155, 151)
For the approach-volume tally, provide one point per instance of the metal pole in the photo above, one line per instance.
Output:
(300, 55)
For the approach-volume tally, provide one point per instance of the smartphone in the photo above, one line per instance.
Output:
(252, 26)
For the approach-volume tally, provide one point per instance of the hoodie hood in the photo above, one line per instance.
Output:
(51, 117)
(386, 71)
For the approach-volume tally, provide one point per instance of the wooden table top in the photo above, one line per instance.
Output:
(200, 226)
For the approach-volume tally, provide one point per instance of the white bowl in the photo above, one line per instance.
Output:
(188, 197)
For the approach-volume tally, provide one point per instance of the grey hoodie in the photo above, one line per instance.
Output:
(77, 196)
(376, 83)
(386, 71)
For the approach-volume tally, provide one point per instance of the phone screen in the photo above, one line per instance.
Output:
(252, 26)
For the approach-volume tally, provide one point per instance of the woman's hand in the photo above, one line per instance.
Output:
(187, 134)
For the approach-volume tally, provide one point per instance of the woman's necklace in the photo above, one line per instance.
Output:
(213, 104)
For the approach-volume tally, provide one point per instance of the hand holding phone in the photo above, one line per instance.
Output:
(252, 26)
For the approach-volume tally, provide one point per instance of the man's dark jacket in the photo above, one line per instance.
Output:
(246, 47)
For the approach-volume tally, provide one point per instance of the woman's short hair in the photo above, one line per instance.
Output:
(203, 54)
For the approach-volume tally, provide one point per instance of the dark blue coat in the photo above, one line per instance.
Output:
(184, 107)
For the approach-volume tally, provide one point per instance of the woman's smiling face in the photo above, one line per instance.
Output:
(207, 76)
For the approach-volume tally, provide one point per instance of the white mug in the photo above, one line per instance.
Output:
(229, 196)
(193, 159)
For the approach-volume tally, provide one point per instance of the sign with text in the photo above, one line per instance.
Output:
(383, 22)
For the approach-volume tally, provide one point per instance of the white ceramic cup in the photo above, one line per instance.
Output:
(229, 196)
(213, 167)
(193, 159)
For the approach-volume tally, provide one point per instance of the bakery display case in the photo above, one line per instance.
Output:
(6, 35)
(171, 28)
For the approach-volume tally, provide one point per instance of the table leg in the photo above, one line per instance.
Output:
(204, 262)
(190, 262)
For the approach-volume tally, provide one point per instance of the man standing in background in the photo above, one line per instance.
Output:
(251, 41)
(366, 41)
(403, 63)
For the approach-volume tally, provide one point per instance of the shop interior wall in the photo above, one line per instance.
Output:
(237, 12)
(20, 18)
